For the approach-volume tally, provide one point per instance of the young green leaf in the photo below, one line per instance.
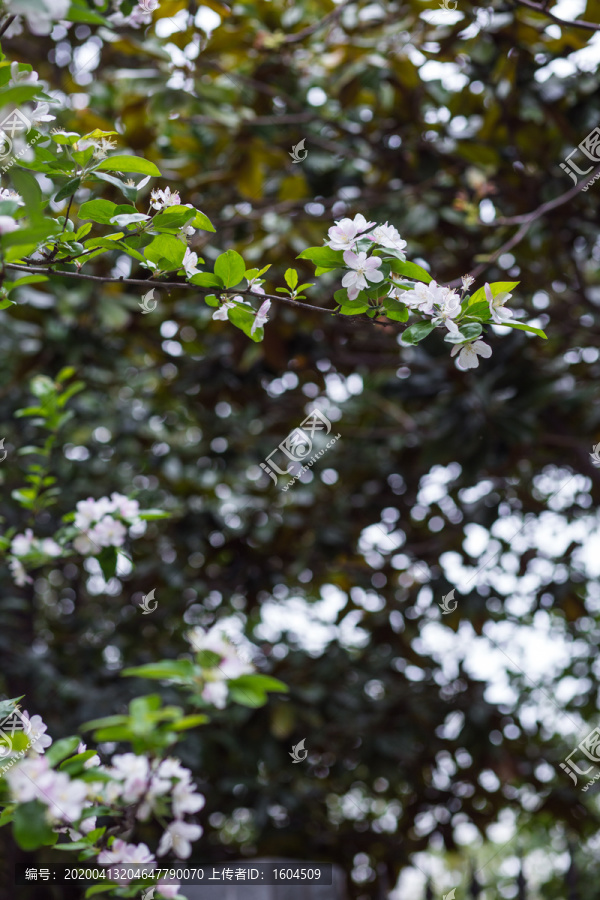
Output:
(230, 268)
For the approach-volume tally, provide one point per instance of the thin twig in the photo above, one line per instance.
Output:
(102, 279)
(541, 8)
(6, 24)
(330, 17)
(526, 221)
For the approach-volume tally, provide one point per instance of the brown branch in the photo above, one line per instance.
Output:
(231, 292)
(104, 279)
(526, 221)
(330, 17)
(6, 24)
(541, 8)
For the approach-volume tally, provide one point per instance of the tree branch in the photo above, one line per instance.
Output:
(526, 221)
(330, 17)
(541, 8)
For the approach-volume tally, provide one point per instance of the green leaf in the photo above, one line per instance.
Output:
(522, 327)
(324, 257)
(189, 722)
(480, 310)
(417, 332)
(30, 827)
(27, 186)
(260, 682)
(108, 562)
(206, 279)
(497, 287)
(469, 331)
(151, 514)
(173, 217)
(166, 251)
(80, 12)
(202, 222)
(243, 318)
(410, 269)
(100, 211)
(230, 268)
(182, 670)
(27, 279)
(128, 191)
(96, 889)
(34, 235)
(291, 278)
(83, 156)
(128, 164)
(14, 96)
(397, 315)
(61, 749)
(68, 189)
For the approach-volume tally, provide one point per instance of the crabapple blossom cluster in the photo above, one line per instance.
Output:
(150, 787)
(229, 662)
(106, 523)
(131, 782)
(461, 315)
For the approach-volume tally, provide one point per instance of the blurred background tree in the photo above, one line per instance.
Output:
(423, 731)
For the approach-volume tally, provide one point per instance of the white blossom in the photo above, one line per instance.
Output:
(177, 837)
(41, 16)
(469, 352)
(345, 233)
(216, 693)
(92, 761)
(40, 114)
(126, 508)
(261, 316)
(161, 199)
(64, 797)
(20, 576)
(387, 236)
(425, 296)
(6, 194)
(108, 532)
(28, 778)
(21, 544)
(189, 263)
(496, 304)
(134, 773)
(364, 269)
(18, 77)
(122, 852)
(186, 799)
(39, 740)
(7, 224)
